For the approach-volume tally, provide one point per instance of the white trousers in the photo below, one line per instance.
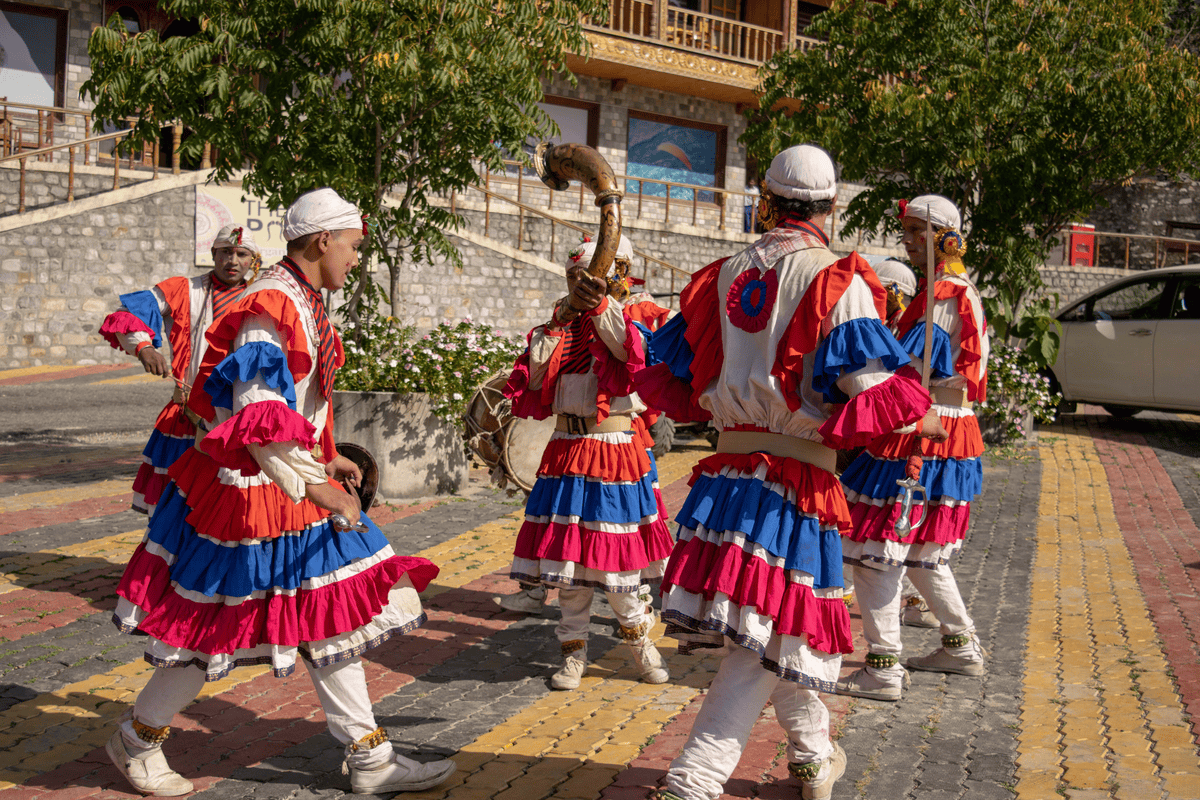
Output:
(341, 688)
(575, 602)
(722, 728)
(878, 593)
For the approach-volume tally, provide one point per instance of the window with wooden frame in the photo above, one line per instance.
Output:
(670, 150)
(33, 54)
(577, 120)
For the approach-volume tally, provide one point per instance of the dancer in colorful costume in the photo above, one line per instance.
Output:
(242, 563)
(952, 473)
(595, 518)
(191, 304)
(783, 348)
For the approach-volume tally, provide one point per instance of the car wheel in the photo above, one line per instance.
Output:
(663, 434)
(1121, 412)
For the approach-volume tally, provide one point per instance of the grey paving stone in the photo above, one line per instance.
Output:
(992, 571)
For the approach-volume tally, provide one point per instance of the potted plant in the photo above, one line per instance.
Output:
(1016, 396)
(401, 395)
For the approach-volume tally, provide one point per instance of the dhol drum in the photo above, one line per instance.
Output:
(509, 446)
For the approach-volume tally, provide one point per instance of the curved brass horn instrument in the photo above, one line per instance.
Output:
(557, 165)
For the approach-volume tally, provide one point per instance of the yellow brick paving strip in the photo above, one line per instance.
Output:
(145, 377)
(1093, 725)
(58, 497)
(573, 744)
(85, 710)
(24, 372)
(26, 570)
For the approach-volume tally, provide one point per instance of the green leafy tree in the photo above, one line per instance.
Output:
(1024, 112)
(390, 102)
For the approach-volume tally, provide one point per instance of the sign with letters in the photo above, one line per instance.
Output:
(218, 206)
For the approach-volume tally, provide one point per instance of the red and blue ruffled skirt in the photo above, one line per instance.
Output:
(595, 516)
(231, 572)
(758, 561)
(952, 474)
(173, 435)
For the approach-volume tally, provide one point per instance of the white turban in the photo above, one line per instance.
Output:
(804, 172)
(584, 252)
(892, 271)
(232, 236)
(319, 210)
(935, 208)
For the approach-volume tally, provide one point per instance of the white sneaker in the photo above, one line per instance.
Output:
(527, 601)
(571, 672)
(649, 660)
(916, 614)
(820, 785)
(954, 656)
(401, 775)
(147, 772)
(868, 683)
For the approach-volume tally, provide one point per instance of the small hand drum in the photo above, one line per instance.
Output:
(365, 491)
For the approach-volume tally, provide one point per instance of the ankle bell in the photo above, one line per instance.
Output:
(359, 754)
(635, 633)
(573, 646)
(956, 640)
(882, 660)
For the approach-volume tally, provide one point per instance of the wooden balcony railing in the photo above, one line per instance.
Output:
(85, 151)
(656, 21)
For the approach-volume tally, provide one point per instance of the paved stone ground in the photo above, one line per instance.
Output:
(953, 736)
(1077, 571)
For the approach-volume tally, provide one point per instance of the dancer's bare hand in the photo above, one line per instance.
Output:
(932, 429)
(588, 291)
(334, 498)
(343, 469)
(154, 362)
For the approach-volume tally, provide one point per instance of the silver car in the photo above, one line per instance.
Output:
(1133, 345)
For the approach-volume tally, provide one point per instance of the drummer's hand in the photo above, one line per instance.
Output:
(334, 498)
(154, 362)
(589, 291)
(931, 427)
(343, 469)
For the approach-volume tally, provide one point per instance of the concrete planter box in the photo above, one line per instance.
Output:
(418, 453)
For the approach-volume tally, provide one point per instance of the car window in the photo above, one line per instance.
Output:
(1076, 314)
(1141, 300)
(1187, 299)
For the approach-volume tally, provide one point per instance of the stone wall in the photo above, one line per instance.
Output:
(59, 279)
(1072, 283)
(46, 184)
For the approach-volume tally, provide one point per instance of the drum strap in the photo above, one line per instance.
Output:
(944, 396)
(569, 423)
(777, 444)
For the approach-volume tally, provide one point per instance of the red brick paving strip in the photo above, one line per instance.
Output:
(17, 521)
(261, 718)
(1162, 540)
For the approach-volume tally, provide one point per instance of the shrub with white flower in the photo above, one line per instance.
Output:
(1015, 388)
(448, 363)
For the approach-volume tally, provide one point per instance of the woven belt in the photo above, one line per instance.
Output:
(945, 396)
(569, 423)
(777, 444)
